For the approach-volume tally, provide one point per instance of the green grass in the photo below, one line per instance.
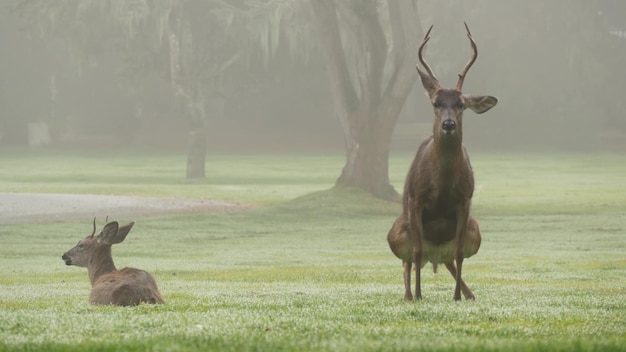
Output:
(260, 180)
(309, 269)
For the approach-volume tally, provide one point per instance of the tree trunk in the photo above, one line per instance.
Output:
(189, 90)
(367, 160)
(196, 154)
(368, 113)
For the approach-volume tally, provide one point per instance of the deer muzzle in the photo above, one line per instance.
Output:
(66, 259)
(448, 126)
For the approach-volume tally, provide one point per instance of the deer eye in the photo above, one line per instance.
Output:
(81, 246)
(437, 105)
(459, 106)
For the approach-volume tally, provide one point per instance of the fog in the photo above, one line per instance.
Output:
(71, 80)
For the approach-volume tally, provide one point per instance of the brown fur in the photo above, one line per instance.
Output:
(435, 224)
(402, 246)
(125, 287)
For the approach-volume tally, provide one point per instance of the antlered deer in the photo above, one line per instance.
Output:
(125, 287)
(435, 224)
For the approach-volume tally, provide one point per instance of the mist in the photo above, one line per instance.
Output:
(88, 83)
(266, 153)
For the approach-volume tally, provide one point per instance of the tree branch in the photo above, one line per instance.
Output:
(343, 93)
(406, 31)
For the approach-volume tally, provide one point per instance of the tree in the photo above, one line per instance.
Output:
(369, 95)
(196, 67)
(167, 30)
(380, 37)
(553, 65)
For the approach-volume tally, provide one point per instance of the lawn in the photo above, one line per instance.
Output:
(305, 268)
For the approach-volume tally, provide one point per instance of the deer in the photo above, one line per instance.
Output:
(125, 287)
(435, 225)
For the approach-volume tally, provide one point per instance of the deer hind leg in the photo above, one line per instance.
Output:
(152, 296)
(407, 264)
(466, 291)
(132, 295)
(125, 295)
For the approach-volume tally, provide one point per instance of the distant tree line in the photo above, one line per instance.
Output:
(113, 69)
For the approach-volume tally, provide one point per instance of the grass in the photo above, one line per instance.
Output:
(309, 269)
(260, 180)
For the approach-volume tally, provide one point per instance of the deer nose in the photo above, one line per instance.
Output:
(448, 126)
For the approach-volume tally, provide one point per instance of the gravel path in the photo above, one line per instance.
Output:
(40, 207)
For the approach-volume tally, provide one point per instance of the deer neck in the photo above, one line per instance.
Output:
(448, 151)
(100, 264)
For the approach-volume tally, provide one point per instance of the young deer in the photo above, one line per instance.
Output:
(435, 224)
(126, 287)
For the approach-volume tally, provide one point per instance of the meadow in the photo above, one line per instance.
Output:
(306, 267)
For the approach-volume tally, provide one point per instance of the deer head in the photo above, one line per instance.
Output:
(449, 104)
(97, 247)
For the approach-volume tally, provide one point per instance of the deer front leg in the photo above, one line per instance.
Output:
(407, 264)
(461, 227)
(416, 231)
(417, 258)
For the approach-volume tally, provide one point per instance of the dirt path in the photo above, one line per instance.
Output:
(40, 207)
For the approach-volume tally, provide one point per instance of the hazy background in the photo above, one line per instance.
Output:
(75, 75)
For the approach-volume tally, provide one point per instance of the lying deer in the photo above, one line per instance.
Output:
(435, 225)
(126, 287)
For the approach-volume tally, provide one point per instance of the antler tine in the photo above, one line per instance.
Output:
(469, 64)
(94, 227)
(421, 58)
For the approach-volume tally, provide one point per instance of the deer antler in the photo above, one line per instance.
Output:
(421, 58)
(94, 227)
(473, 57)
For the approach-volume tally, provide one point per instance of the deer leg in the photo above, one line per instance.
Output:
(407, 264)
(417, 258)
(466, 290)
(461, 227)
(415, 231)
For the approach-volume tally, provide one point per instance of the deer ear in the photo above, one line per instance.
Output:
(429, 83)
(480, 103)
(124, 230)
(109, 234)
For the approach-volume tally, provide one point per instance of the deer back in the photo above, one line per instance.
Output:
(125, 287)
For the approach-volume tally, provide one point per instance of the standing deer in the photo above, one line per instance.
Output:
(126, 287)
(435, 224)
